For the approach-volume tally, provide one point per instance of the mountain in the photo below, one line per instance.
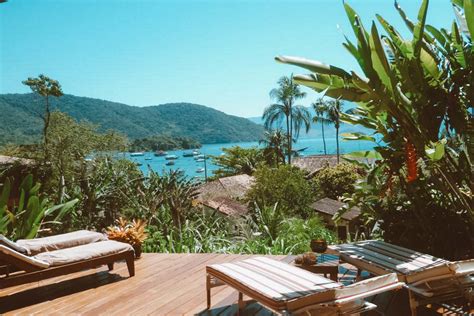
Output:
(21, 124)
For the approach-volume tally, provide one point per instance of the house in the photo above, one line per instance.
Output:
(225, 195)
(312, 164)
(6, 161)
(347, 224)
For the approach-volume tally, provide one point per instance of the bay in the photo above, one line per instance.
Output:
(190, 166)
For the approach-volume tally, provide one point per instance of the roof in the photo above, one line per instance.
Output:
(313, 164)
(226, 206)
(224, 194)
(9, 160)
(330, 207)
(233, 186)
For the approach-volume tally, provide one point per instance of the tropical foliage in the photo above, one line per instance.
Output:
(321, 110)
(45, 87)
(417, 94)
(333, 182)
(286, 186)
(237, 160)
(295, 116)
(275, 145)
(132, 233)
(24, 213)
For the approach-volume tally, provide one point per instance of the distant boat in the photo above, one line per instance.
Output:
(170, 163)
(137, 154)
(200, 170)
(200, 160)
(201, 156)
(148, 158)
(160, 153)
(139, 164)
(188, 154)
(195, 152)
(171, 157)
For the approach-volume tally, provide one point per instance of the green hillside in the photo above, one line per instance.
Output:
(20, 124)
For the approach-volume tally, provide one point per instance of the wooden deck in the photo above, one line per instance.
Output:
(172, 284)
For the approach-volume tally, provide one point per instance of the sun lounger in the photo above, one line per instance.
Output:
(429, 279)
(19, 268)
(56, 242)
(289, 290)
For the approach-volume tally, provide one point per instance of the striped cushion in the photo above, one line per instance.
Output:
(274, 279)
(281, 286)
(410, 265)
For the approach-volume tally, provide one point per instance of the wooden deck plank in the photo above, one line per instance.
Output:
(164, 284)
(172, 284)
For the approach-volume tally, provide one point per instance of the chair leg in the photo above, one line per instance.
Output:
(208, 290)
(413, 303)
(241, 303)
(111, 266)
(131, 264)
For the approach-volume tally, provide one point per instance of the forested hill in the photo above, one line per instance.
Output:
(20, 124)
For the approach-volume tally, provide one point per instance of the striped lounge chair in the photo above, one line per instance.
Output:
(428, 279)
(288, 290)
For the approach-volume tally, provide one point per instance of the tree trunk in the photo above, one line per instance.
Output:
(324, 139)
(46, 118)
(288, 137)
(337, 143)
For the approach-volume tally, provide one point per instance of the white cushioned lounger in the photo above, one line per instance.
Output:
(56, 242)
(40, 264)
(83, 252)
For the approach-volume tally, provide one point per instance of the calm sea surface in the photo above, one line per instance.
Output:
(191, 167)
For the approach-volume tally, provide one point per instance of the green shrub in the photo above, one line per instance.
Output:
(24, 213)
(285, 185)
(333, 182)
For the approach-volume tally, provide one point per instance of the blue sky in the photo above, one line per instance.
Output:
(217, 53)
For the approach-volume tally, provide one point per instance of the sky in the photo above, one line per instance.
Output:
(218, 53)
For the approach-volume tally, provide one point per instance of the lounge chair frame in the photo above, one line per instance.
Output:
(32, 273)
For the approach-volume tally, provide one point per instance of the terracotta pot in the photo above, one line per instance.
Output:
(138, 251)
(319, 245)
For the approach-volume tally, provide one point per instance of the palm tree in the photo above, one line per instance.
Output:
(275, 144)
(320, 108)
(334, 109)
(295, 116)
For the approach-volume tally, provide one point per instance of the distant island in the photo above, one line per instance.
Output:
(163, 142)
(21, 125)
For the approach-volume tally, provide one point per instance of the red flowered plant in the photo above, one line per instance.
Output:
(411, 158)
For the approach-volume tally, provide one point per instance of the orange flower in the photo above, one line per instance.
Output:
(411, 159)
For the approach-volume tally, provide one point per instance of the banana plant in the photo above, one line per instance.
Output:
(414, 92)
(24, 217)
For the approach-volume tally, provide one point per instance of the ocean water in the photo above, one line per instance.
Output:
(190, 166)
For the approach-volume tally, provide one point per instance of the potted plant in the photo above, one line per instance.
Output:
(319, 245)
(132, 233)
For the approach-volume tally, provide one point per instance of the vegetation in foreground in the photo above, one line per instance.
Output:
(418, 95)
